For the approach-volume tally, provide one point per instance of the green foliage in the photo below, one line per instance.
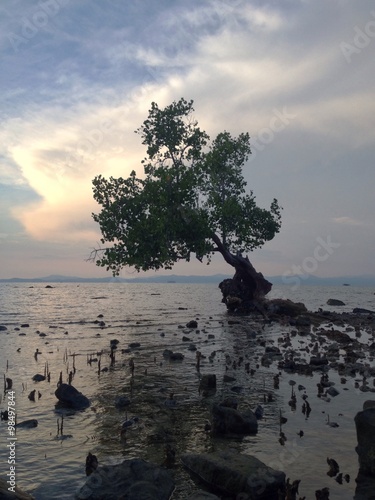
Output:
(188, 194)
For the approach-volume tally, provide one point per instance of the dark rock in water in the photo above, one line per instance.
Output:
(301, 321)
(3, 328)
(259, 412)
(121, 402)
(192, 324)
(270, 349)
(25, 325)
(228, 421)
(69, 396)
(237, 389)
(359, 310)
(336, 335)
(318, 361)
(134, 345)
(27, 424)
(173, 356)
(234, 474)
(285, 307)
(203, 495)
(365, 425)
(230, 403)
(333, 392)
(370, 403)
(18, 494)
(38, 377)
(133, 479)
(128, 423)
(176, 356)
(365, 487)
(207, 382)
(335, 302)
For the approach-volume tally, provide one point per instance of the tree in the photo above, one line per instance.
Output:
(191, 200)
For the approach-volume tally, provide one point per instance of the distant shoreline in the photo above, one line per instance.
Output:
(368, 281)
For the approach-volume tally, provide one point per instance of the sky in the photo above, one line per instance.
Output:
(77, 78)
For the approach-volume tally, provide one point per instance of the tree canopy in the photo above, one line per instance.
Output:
(191, 200)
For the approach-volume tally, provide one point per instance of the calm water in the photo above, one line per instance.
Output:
(51, 462)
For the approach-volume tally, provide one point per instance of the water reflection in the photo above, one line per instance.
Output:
(52, 460)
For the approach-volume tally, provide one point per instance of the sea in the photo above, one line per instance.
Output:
(65, 330)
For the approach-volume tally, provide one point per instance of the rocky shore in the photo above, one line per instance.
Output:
(307, 344)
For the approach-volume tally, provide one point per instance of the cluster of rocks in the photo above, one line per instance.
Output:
(226, 473)
(233, 474)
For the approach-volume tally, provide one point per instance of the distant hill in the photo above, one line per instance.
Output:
(215, 278)
(315, 280)
(173, 278)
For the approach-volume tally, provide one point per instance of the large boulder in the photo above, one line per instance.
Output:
(133, 479)
(230, 421)
(335, 302)
(365, 425)
(207, 382)
(232, 474)
(69, 396)
(285, 307)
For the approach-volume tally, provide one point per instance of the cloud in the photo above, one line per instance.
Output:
(348, 221)
(72, 96)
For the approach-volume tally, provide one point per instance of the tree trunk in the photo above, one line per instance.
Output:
(247, 288)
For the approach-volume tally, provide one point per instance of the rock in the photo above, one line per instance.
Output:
(234, 474)
(18, 494)
(3, 328)
(133, 479)
(129, 423)
(335, 302)
(207, 382)
(337, 336)
(192, 324)
(370, 403)
(259, 412)
(365, 425)
(285, 307)
(69, 396)
(176, 356)
(134, 345)
(318, 361)
(173, 356)
(302, 321)
(332, 391)
(227, 420)
(360, 310)
(230, 403)
(27, 424)
(365, 488)
(203, 495)
(38, 377)
(121, 402)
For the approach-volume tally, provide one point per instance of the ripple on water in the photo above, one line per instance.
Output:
(51, 465)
